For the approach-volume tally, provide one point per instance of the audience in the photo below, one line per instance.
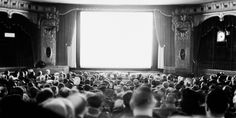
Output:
(87, 94)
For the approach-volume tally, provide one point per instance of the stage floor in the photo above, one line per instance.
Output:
(53, 69)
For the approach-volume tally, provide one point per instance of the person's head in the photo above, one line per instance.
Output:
(142, 99)
(87, 87)
(190, 102)
(94, 101)
(48, 72)
(216, 103)
(55, 90)
(39, 73)
(64, 92)
(44, 94)
(126, 98)
(17, 90)
(33, 91)
(3, 91)
(61, 85)
(170, 98)
(165, 84)
(13, 106)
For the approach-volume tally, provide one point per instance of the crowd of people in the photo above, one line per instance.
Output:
(86, 94)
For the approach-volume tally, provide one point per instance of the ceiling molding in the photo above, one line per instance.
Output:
(207, 8)
(126, 2)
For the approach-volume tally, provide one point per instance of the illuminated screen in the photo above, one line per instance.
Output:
(116, 39)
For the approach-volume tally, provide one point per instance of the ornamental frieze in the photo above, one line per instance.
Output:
(207, 8)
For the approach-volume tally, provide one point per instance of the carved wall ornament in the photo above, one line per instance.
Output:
(211, 7)
(182, 25)
(48, 52)
(208, 10)
(182, 54)
(25, 5)
(49, 32)
(198, 19)
(34, 13)
(221, 16)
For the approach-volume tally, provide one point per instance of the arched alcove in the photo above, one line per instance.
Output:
(19, 39)
(215, 43)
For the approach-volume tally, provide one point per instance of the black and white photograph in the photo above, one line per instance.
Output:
(117, 58)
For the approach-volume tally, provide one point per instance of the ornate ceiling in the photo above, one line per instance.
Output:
(128, 2)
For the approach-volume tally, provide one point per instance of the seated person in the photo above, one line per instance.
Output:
(143, 102)
(216, 104)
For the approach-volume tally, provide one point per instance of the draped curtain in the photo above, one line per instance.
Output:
(160, 27)
(65, 36)
(165, 38)
(210, 54)
(196, 41)
(203, 43)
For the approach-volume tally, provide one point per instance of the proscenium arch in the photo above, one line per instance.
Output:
(29, 15)
(198, 19)
(211, 54)
(26, 26)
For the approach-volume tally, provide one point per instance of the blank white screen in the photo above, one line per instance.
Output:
(116, 39)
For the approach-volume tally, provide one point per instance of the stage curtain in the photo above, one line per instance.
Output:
(196, 41)
(204, 37)
(65, 36)
(160, 27)
(169, 51)
(165, 37)
(78, 39)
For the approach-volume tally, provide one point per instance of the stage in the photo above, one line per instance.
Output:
(53, 69)
(215, 71)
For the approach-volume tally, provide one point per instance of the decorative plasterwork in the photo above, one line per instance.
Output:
(34, 13)
(182, 25)
(206, 11)
(207, 8)
(200, 18)
(25, 5)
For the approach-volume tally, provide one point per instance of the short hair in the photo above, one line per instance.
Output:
(55, 90)
(17, 90)
(142, 97)
(43, 95)
(170, 98)
(126, 98)
(94, 101)
(64, 92)
(61, 85)
(217, 101)
(33, 91)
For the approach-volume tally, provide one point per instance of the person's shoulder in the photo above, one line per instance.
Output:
(142, 116)
(184, 116)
